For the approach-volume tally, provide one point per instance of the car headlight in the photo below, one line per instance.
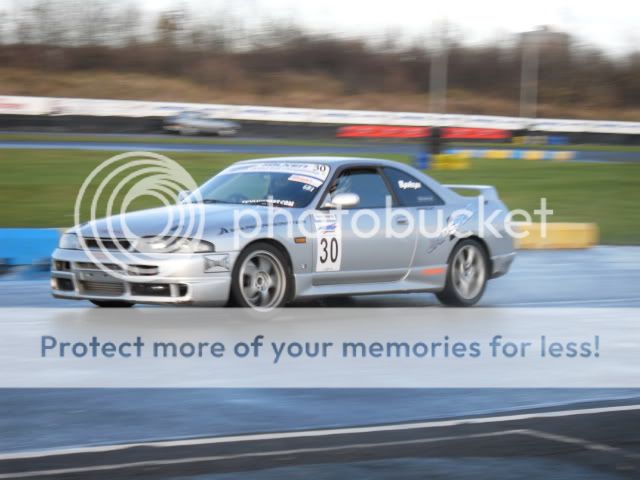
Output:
(172, 245)
(69, 241)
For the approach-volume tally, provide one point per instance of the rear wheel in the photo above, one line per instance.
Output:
(467, 275)
(261, 278)
(111, 303)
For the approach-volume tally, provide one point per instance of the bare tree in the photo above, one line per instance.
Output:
(223, 48)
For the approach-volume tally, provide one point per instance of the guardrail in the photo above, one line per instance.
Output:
(14, 105)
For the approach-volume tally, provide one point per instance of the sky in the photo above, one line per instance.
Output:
(613, 24)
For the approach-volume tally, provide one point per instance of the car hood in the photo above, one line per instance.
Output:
(208, 219)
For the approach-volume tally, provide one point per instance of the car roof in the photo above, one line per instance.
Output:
(333, 161)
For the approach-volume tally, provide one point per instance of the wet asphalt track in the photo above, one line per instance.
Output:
(590, 440)
(604, 445)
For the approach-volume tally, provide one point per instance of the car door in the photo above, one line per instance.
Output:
(352, 245)
(430, 216)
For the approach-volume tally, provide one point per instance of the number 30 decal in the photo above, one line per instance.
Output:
(330, 250)
(328, 246)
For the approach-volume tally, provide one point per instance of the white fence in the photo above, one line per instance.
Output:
(131, 108)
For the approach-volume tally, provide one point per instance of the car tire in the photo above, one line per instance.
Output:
(467, 274)
(261, 278)
(112, 303)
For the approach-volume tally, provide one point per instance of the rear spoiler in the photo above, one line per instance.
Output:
(486, 191)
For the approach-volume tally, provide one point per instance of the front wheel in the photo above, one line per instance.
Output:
(261, 278)
(466, 275)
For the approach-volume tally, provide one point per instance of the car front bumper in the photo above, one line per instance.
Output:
(167, 279)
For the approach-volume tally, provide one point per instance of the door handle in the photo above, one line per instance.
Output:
(402, 221)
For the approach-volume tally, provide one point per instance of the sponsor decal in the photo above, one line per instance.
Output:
(314, 182)
(409, 185)
(316, 171)
(271, 201)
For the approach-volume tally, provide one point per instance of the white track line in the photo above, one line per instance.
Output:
(319, 432)
(570, 302)
(599, 447)
(236, 456)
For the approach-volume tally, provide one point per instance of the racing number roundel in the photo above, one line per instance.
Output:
(328, 243)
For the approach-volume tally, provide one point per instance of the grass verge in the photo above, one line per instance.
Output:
(203, 140)
(38, 187)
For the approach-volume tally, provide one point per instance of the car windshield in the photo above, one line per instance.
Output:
(290, 185)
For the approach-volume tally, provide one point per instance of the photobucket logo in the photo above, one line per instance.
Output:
(437, 222)
(118, 244)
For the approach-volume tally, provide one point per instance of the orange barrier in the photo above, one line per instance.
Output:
(386, 131)
(475, 133)
(381, 131)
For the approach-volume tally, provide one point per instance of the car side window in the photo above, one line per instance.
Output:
(410, 191)
(367, 184)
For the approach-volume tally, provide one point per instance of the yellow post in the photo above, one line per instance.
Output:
(450, 161)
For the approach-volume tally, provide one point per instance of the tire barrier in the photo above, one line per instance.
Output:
(517, 154)
(530, 140)
(558, 236)
(450, 161)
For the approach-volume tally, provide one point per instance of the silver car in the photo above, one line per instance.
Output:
(278, 229)
(195, 123)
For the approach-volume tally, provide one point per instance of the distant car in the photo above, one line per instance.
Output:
(263, 262)
(196, 123)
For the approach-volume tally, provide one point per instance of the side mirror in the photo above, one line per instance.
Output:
(182, 195)
(343, 200)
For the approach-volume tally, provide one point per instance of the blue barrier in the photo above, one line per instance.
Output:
(557, 140)
(27, 246)
(422, 160)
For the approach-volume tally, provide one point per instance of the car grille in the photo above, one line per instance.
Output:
(134, 270)
(108, 243)
(92, 266)
(102, 288)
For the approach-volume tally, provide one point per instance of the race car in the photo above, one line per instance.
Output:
(196, 123)
(274, 230)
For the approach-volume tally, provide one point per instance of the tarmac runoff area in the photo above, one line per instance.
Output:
(587, 441)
